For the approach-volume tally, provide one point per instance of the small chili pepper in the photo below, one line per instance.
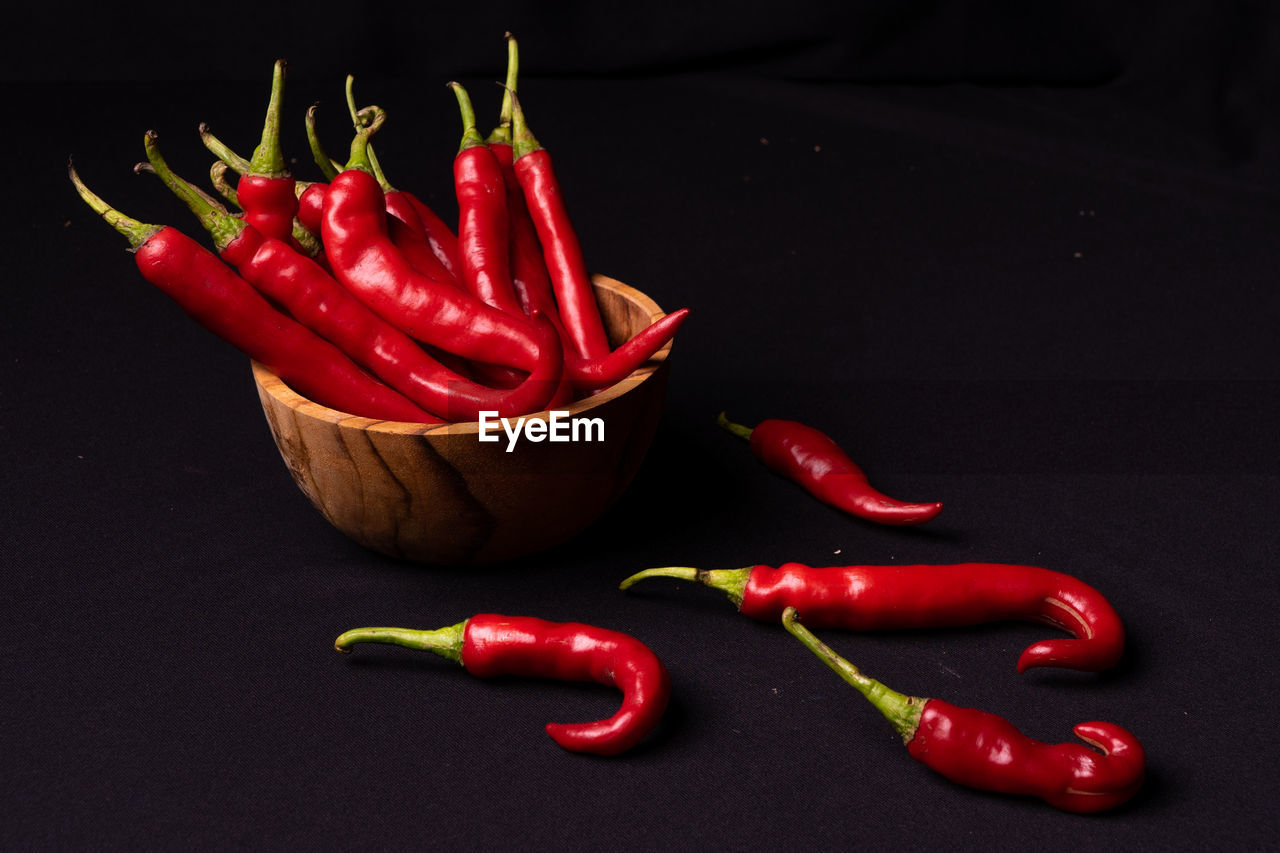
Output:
(985, 751)
(489, 645)
(304, 240)
(879, 598)
(266, 187)
(364, 259)
(561, 250)
(812, 459)
(212, 294)
(315, 299)
(483, 229)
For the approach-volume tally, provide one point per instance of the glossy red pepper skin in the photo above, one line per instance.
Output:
(562, 253)
(880, 598)
(367, 262)
(409, 235)
(364, 258)
(571, 651)
(269, 204)
(814, 461)
(311, 206)
(483, 228)
(404, 227)
(528, 270)
(489, 645)
(223, 302)
(440, 237)
(985, 751)
(314, 298)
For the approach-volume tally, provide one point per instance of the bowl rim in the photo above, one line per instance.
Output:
(269, 383)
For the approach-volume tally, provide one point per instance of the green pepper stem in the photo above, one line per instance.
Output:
(218, 177)
(732, 582)
(445, 642)
(327, 165)
(470, 136)
(501, 134)
(136, 232)
(268, 158)
(221, 226)
(522, 139)
(358, 120)
(902, 711)
(359, 158)
(220, 150)
(737, 429)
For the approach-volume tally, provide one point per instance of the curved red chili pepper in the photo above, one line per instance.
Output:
(315, 299)
(878, 598)
(404, 227)
(561, 250)
(428, 241)
(212, 294)
(364, 259)
(489, 645)
(812, 459)
(984, 751)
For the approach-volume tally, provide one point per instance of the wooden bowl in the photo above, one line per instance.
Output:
(436, 494)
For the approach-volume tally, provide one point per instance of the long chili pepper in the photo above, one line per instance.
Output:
(985, 751)
(483, 229)
(266, 187)
(561, 250)
(529, 273)
(812, 459)
(365, 260)
(877, 598)
(318, 301)
(211, 293)
(490, 645)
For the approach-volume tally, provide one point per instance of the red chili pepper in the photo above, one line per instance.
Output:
(561, 251)
(984, 751)
(221, 301)
(812, 459)
(878, 598)
(426, 241)
(483, 229)
(529, 273)
(318, 301)
(489, 645)
(364, 259)
(404, 227)
(305, 241)
(266, 187)
(311, 206)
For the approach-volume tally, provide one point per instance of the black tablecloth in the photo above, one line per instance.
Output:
(1047, 300)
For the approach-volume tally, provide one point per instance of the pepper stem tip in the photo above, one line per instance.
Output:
(737, 429)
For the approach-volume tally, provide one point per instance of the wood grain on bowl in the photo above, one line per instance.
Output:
(437, 494)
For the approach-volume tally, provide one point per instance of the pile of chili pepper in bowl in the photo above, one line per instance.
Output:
(444, 395)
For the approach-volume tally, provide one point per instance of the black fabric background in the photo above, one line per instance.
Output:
(1018, 258)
